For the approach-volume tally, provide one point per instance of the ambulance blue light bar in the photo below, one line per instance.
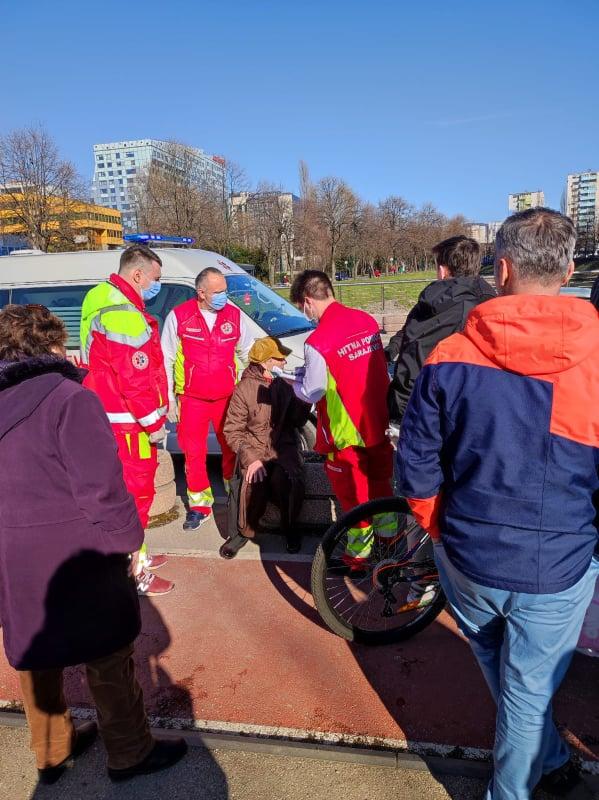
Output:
(144, 238)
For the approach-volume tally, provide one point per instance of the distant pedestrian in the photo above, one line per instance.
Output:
(67, 529)
(205, 341)
(346, 376)
(498, 456)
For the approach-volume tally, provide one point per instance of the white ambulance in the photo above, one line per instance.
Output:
(61, 280)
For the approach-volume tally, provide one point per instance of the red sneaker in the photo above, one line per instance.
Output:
(150, 585)
(154, 561)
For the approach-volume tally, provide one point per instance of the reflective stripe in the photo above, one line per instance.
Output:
(179, 369)
(145, 448)
(359, 541)
(344, 432)
(120, 417)
(150, 419)
(385, 525)
(203, 499)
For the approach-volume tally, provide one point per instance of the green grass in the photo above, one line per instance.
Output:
(399, 292)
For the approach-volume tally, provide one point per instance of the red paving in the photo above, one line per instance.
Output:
(241, 642)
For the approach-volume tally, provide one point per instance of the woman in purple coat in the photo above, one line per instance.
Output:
(67, 527)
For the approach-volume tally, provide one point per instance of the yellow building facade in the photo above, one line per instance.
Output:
(88, 226)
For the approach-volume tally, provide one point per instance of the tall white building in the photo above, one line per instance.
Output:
(524, 200)
(582, 206)
(118, 164)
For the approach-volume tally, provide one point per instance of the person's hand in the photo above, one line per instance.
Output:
(173, 412)
(134, 565)
(256, 472)
(158, 436)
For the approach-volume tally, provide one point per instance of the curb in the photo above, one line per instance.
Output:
(438, 759)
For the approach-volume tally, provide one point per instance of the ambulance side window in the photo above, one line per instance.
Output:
(64, 301)
(171, 295)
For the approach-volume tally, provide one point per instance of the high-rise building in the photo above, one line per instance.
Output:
(524, 200)
(582, 206)
(117, 165)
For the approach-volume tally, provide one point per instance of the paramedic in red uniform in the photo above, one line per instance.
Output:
(120, 346)
(204, 342)
(346, 376)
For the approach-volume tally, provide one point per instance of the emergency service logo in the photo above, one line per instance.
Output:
(226, 328)
(140, 360)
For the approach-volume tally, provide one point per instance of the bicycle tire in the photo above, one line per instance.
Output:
(334, 621)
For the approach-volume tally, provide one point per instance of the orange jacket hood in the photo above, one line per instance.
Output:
(535, 334)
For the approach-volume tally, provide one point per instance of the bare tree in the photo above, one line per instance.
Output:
(337, 207)
(39, 188)
(171, 197)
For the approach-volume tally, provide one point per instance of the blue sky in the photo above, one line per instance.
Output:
(457, 103)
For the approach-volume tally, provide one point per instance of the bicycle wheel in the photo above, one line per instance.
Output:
(372, 606)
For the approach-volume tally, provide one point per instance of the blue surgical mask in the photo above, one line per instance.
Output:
(218, 301)
(151, 291)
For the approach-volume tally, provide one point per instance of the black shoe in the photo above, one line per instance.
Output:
(164, 754)
(85, 736)
(562, 781)
(232, 546)
(294, 543)
(194, 519)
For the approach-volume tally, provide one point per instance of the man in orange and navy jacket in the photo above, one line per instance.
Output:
(498, 457)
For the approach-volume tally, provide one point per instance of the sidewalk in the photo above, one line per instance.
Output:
(227, 775)
(239, 647)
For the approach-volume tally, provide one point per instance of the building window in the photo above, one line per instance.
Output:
(110, 172)
(129, 155)
(131, 171)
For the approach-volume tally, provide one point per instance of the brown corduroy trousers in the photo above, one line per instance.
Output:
(118, 698)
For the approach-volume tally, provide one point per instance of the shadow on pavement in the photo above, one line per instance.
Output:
(197, 774)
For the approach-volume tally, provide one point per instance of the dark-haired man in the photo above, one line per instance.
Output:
(442, 309)
(346, 376)
(203, 341)
(120, 345)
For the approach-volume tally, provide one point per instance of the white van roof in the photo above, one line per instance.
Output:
(94, 266)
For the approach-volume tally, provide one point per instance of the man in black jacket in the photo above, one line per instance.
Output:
(442, 309)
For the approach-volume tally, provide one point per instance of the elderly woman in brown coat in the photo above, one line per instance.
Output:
(261, 427)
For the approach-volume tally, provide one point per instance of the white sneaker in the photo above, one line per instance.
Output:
(420, 595)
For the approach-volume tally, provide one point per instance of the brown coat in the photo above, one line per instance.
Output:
(261, 424)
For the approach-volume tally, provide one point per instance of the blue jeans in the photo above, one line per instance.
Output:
(524, 644)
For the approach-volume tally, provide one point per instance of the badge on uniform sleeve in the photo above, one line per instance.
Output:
(226, 328)
(140, 360)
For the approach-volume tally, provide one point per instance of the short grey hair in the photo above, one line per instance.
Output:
(201, 278)
(539, 242)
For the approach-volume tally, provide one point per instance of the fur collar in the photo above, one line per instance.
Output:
(15, 372)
